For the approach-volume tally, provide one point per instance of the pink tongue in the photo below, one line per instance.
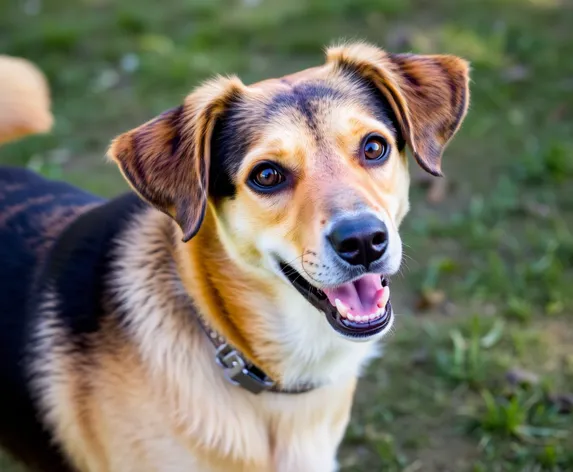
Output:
(361, 296)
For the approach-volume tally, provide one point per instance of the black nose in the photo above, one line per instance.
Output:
(360, 240)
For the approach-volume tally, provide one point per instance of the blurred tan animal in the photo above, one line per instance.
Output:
(25, 105)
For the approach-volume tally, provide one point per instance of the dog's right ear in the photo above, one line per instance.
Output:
(166, 160)
(429, 94)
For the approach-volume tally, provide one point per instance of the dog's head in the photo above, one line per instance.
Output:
(306, 175)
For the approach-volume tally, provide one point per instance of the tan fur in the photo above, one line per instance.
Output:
(24, 100)
(153, 398)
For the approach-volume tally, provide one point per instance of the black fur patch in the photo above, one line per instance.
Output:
(25, 200)
(229, 144)
(78, 266)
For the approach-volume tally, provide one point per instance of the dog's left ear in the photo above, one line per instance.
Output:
(166, 160)
(429, 94)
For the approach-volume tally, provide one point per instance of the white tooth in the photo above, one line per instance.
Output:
(364, 318)
(341, 307)
(350, 316)
(373, 316)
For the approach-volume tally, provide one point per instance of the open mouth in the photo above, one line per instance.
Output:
(355, 309)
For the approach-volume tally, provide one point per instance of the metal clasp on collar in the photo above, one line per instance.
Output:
(238, 372)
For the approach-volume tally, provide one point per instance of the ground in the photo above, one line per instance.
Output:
(478, 375)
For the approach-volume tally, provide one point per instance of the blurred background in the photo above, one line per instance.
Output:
(479, 373)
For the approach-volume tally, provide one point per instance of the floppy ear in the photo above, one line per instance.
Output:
(166, 160)
(429, 94)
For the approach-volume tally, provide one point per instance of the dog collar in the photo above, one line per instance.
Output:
(239, 371)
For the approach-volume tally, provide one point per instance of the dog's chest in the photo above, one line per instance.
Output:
(215, 427)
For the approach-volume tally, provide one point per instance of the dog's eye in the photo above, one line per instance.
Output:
(266, 176)
(375, 148)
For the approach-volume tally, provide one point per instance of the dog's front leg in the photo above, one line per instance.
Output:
(314, 455)
(308, 441)
(311, 454)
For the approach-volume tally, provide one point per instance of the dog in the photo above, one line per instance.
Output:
(217, 317)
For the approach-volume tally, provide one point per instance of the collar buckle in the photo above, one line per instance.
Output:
(238, 372)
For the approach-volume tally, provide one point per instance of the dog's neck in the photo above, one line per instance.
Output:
(264, 317)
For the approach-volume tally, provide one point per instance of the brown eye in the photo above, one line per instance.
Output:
(375, 148)
(266, 177)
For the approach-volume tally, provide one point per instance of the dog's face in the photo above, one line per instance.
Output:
(306, 175)
(319, 186)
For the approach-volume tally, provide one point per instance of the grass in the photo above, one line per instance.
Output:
(478, 374)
